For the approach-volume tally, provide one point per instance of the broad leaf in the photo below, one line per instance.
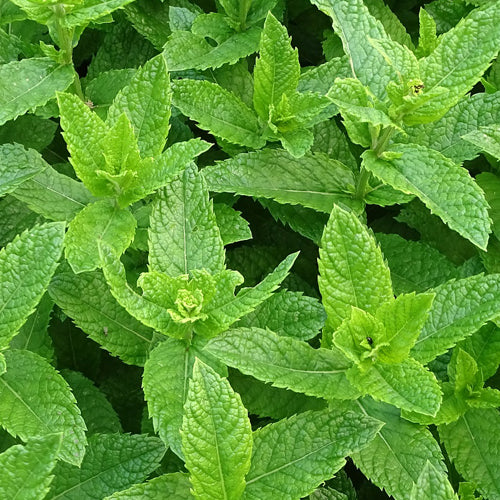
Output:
(216, 436)
(407, 385)
(101, 221)
(432, 483)
(112, 463)
(175, 485)
(352, 269)
(183, 233)
(292, 457)
(232, 226)
(386, 461)
(285, 362)
(87, 300)
(446, 189)
(354, 24)
(35, 401)
(277, 69)
(26, 469)
(55, 196)
(146, 102)
(473, 445)
(313, 181)
(218, 111)
(30, 83)
(26, 267)
(459, 309)
(290, 314)
(17, 165)
(486, 138)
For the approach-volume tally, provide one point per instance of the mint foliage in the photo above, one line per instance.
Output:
(249, 249)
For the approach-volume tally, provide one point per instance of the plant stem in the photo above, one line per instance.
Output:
(378, 147)
(65, 42)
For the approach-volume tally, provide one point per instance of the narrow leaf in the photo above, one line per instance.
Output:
(216, 436)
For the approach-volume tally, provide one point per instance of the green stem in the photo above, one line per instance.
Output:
(244, 7)
(65, 42)
(378, 147)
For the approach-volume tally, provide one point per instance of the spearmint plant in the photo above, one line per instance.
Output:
(249, 250)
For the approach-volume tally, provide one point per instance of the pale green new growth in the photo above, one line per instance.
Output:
(216, 436)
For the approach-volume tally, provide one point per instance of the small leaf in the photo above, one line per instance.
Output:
(277, 69)
(216, 436)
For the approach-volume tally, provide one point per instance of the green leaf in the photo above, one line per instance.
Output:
(459, 309)
(84, 133)
(225, 309)
(292, 457)
(313, 181)
(403, 319)
(17, 165)
(352, 269)
(297, 142)
(290, 314)
(185, 50)
(26, 469)
(319, 78)
(445, 188)
(97, 412)
(175, 485)
(432, 484)
(490, 183)
(91, 10)
(99, 222)
(473, 445)
(218, 111)
(285, 362)
(484, 347)
(277, 69)
(112, 462)
(232, 226)
(33, 335)
(354, 24)
(415, 266)
(30, 83)
(54, 195)
(146, 102)
(407, 385)
(146, 311)
(87, 300)
(386, 461)
(486, 138)
(427, 40)
(446, 135)
(456, 63)
(216, 436)
(264, 400)
(183, 233)
(35, 401)
(165, 381)
(26, 267)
